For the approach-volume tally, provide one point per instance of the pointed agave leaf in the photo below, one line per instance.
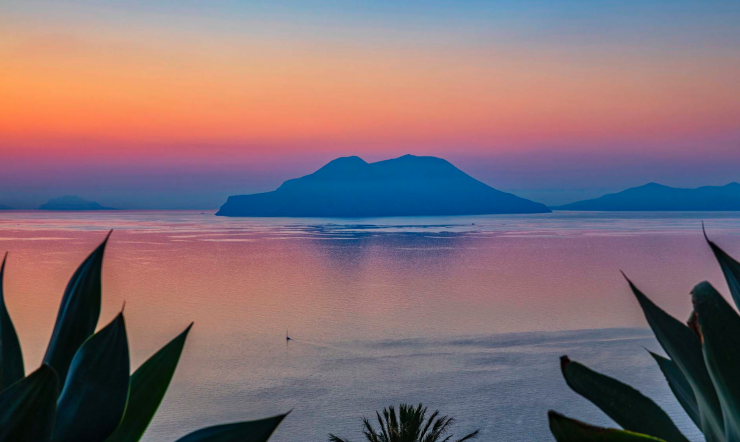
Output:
(78, 313)
(94, 396)
(684, 348)
(27, 407)
(11, 358)
(253, 431)
(679, 386)
(730, 268)
(626, 406)
(147, 389)
(570, 430)
(719, 326)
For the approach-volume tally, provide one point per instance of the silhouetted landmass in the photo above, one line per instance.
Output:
(4, 207)
(72, 203)
(405, 186)
(657, 197)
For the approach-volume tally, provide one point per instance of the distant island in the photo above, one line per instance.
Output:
(4, 207)
(411, 185)
(72, 202)
(657, 197)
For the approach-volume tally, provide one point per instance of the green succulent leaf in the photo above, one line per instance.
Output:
(570, 430)
(11, 358)
(78, 313)
(719, 326)
(147, 389)
(679, 386)
(253, 431)
(684, 348)
(27, 408)
(730, 268)
(94, 396)
(626, 406)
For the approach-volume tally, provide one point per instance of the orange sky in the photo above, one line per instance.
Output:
(145, 85)
(200, 83)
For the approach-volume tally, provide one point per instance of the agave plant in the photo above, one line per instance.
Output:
(702, 370)
(84, 391)
(409, 425)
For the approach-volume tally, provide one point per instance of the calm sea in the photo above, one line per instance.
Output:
(465, 314)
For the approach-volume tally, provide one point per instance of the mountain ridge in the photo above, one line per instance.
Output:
(72, 202)
(406, 186)
(659, 197)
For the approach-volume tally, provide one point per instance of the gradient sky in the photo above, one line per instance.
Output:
(178, 104)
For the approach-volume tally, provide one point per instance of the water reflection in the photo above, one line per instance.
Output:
(468, 314)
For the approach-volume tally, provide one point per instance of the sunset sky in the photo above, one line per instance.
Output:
(178, 104)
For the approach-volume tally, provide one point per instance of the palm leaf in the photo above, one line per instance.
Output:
(570, 430)
(27, 408)
(626, 406)
(147, 389)
(254, 431)
(94, 396)
(11, 357)
(684, 348)
(730, 268)
(719, 326)
(679, 386)
(78, 313)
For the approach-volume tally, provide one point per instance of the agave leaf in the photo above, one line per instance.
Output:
(626, 406)
(730, 268)
(27, 407)
(253, 431)
(684, 348)
(570, 430)
(719, 326)
(679, 386)
(147, 388)
(11, 358)
(93, 399)
(78, 313)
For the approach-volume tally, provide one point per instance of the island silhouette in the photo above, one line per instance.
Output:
(657, 197)
(4, 207)
(349, 187)
(72, 202)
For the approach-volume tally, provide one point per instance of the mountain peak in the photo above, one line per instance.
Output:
(346, 162)
(657, 197)
(71, 202)
(406, 186)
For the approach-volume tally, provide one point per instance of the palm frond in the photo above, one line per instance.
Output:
(472, 435)
(369, 431)
(383, 430)
(409, 424)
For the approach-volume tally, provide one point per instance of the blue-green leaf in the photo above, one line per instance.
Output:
(94, 396)
(147, 388)
(78, 313)
(730, 268)
(11, 358)
(684, 348)
(254, 431)
(27, 407)
(570, 430)
(719, 326)
(679, 386)
(626, 406)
